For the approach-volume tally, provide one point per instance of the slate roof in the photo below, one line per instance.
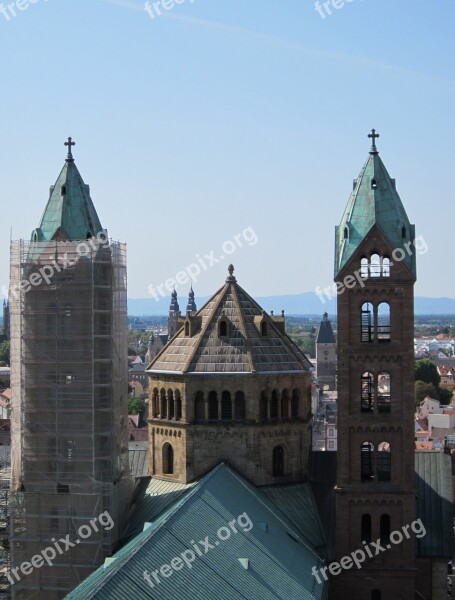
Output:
(138, 453)
(298, 503)
(435, 503)
(272, 559)
(71, 213)
(158, 496)
(368, 206)
(244, 350)
(434, 495)
(325, 333)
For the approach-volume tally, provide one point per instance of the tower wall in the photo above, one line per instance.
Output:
(376, 407)
(69, 408)
(326, 365)
(200, 441)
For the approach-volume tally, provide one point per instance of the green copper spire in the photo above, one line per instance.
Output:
(374, 201)
(69, 213)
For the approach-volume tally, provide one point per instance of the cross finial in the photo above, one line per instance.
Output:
(373, 135)
(70, 143)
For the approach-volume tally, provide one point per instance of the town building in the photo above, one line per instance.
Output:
(326, 355)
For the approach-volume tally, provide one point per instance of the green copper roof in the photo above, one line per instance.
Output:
(374, 201)
(69, 212)
(267, 559)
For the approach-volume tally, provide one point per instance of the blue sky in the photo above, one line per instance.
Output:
(218, 116)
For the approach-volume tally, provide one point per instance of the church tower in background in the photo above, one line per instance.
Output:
(375, 494)
(326, 355)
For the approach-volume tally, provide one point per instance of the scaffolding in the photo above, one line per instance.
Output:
(5, 564)
(69, 406)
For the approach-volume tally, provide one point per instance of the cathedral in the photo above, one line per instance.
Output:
(235, 505)
(157, 342)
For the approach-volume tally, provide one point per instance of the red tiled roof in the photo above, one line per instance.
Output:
(424, 446)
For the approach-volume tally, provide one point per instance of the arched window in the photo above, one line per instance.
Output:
(226, 406)
(155, 403)
(367, 461)
(284, 404)
(263, 407)
(171, 405)
(367, 324)
(374, 184)
(168, 459)
(403, 232)
(178, 406)
(386, 266)
(274, 406)
(278, 461)
(384, 528)
(163, 412)
(375, 265)
(384, 462)
(384, 322)
(222, 329)
(295, 403)
(383, 394)
(376, 595)
(239, 406)
(346, 233)
(364, 267)
(367, 398)
(264, 328)
(187, 329)
(213, 407)
(365, 532)
(199, 407)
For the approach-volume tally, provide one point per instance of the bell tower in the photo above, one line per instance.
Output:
(375, 273)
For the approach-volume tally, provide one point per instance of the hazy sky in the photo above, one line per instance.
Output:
(225, 118)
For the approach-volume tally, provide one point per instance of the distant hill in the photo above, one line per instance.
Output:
(307, 303)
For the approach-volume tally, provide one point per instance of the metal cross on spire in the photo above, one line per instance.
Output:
(373, 135)
(70, 143)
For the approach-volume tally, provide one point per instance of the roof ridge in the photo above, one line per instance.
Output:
(284, 336)
(144, 536)
(222, 292)
(243, 326)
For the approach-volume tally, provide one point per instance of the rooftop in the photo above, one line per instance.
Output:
(325, 333)
(69, 213)
(246, 347)
(267, 557)
(374, 201)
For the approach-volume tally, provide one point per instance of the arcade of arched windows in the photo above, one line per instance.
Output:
(227, 406)
(275, 405)
(166, 404)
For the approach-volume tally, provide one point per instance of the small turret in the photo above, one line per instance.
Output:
(191, 307)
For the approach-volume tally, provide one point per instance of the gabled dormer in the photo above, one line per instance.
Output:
(191, 324)
(224, 327)
(262, 324)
